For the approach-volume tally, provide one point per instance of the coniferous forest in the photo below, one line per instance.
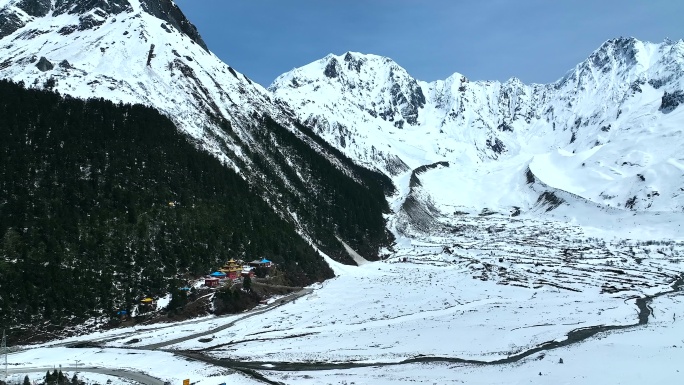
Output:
(350, 206)
(103, 203)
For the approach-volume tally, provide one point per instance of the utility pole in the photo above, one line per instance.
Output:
(4, 351)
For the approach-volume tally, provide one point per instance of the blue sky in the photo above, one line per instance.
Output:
(534, 40)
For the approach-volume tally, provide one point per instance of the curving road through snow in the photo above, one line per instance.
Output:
(282, 301)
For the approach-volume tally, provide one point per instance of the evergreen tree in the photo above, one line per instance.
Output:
(99, 177)
(54, 378)
(178, 297)
(61, 379)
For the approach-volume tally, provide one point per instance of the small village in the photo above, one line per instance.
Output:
(233, 272)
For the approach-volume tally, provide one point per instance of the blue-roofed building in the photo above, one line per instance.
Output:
(261, 263)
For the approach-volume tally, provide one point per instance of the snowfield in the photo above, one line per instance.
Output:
(483, 299)
(645, 355)
(604, 132)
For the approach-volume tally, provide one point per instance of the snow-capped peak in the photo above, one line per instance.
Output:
(15, 14)
(146, 52)
(377, 84)
(133, 51)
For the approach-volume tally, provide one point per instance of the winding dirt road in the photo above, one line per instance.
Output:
(143, 378)
(279, 302)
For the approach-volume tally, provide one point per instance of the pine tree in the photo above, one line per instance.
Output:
(178, 297)
(54, 378)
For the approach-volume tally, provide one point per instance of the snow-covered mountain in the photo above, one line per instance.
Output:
(133, 51)
(608, 132)
(147, 52)
(605, 134)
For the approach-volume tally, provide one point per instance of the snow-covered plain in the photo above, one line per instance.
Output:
(650, 354)
(442, 312)
(490, 289)
(646, 355)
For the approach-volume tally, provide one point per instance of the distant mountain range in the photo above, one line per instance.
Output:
(608, 131)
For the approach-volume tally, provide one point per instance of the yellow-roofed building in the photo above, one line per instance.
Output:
(232, 269)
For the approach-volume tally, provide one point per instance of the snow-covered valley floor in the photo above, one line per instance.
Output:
(483, 288)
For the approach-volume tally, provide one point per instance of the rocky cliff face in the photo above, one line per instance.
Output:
(16, 14)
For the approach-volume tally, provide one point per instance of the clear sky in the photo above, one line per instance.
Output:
(534, 40)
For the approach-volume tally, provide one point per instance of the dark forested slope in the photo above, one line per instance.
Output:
(103, 203)
(328, 202)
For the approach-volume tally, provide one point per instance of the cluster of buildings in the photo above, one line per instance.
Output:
(234, 270)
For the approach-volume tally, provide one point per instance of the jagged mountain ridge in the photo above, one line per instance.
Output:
(147, 52)
(15, 14)
(603, 132)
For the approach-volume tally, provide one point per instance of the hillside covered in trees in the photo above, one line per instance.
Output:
(102, 203)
